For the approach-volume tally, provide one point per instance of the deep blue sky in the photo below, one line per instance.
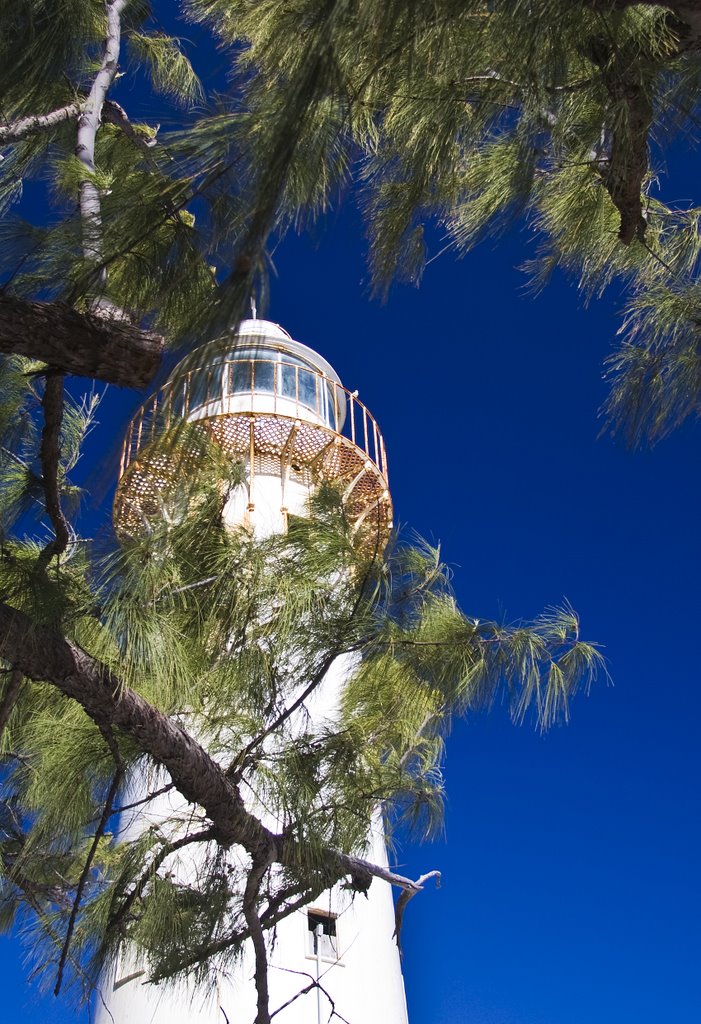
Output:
(570, 890)
(570, 881)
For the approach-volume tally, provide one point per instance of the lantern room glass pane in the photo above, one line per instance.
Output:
(240, 376)
(263, 371)
(205, 386)
(264, 376)
(198, 388)
(307, 388)
(288, 384)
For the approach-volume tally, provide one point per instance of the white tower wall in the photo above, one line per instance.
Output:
(362, 974)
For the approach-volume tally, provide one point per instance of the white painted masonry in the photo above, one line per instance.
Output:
(364, 978)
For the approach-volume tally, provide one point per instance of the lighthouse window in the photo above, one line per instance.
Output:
(240, 376)
(307, 388)
(288, 381)
(264, 379)
(248, 370)
(321, 935)
(205, 385)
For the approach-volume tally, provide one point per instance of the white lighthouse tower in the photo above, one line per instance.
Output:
(277, 407)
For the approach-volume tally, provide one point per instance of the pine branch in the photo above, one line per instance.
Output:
(260, 865)
(279, 907)
(50, 452)
(237, 286)
(46, 656)
(85, 344)
(118, 916)
(99, 832)
(114, 113)
(242, 759)
(33, 891)
(685, 15)
(15, 131)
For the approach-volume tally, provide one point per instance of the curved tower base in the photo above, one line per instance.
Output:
(358, 969)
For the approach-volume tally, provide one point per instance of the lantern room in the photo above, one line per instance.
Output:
(265, 371)
(277, 407)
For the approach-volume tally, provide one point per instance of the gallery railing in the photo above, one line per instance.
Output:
(257, 387)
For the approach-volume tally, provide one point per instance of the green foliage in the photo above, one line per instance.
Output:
(656, 373)
(470, 116)
(171, 71)
(226, 632)
(21, 491)
(458, 115)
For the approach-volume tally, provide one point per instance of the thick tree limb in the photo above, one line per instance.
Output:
(625, 169)
(47, 656)
(17, 130)
(85, 344)
(628, 164)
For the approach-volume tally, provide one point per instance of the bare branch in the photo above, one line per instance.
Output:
(260, 865)
(404, 898)
(145, 799)
(115, 114)
(15, 131)
(313, 983)
(99, 832)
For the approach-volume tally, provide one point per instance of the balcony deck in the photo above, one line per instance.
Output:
(298, 421)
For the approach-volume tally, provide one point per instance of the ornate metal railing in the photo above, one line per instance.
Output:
(257, 387)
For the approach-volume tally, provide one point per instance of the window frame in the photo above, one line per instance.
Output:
(334, 957)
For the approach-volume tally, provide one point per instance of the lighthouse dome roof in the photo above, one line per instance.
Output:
(265, 334)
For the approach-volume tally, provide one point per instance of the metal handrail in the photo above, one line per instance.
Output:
(335, 407)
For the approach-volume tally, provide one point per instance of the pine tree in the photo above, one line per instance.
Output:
(464, 115)
(187, 656)
(467, 114)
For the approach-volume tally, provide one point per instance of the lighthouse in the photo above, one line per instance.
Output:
(275, 409)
